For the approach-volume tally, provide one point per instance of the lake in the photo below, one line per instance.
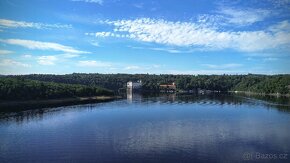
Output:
(165, 128)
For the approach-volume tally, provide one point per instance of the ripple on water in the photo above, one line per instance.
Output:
(155, 129)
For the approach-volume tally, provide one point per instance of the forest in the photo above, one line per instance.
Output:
(251, 82)
(25, 89)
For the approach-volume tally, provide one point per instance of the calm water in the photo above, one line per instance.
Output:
(150, 129)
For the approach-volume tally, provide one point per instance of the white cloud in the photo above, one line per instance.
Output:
(103, 34)
(270, 59)
(30, 44)
(100, 2)
(223, 66)
(243, 17)
(68, 55)
(197, 36)
(139, 5)
(95, 44)
(10, 62)
(142, 68)
(169, 50)
(280, 27)
(204, 72)
(281, 3)
(3, 52)
(165, 49)
(212, 21)
(109, 34)
(22, 24)
(52, 59)
(132, 68)
(27, 56)
(156, 66)
(47, 60)
(93, 63)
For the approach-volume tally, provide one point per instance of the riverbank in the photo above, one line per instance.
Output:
(11, 106)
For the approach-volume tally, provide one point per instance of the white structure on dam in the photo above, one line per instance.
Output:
(134, 85)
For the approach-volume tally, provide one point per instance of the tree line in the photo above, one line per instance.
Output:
(115, 82)
(18, 88)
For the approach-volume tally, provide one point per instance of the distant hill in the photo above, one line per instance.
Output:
(18, 88)
(251, 82)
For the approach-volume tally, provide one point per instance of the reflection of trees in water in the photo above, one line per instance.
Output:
(284, 100)
(23, 116)
(280, 103)
(268, 102)
(39, 114)
(195, 98)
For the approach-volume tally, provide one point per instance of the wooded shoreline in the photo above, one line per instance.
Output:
(18, 92)
(10, 106)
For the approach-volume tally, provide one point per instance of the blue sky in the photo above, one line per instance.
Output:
(145, 36)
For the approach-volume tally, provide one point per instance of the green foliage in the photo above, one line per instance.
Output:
(250, 82)
(265, 84)
(23, 89)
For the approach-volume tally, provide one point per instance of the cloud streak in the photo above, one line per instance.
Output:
(243, 17)
(132, 67)
(94, 63)
(223, 66)
(10, 62)
(46, 60)
(6, 23)
(31, 44)
(100, 2)
(4, 52)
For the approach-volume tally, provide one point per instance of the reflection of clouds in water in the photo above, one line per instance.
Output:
(265, 128)
(204, 138)
(172, 135)
(137, 98)
(196, 128)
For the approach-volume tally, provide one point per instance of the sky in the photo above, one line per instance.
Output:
(145, 36)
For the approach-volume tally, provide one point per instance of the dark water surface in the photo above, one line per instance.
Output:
(169, 128)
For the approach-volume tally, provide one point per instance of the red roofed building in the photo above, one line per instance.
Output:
(167, 87)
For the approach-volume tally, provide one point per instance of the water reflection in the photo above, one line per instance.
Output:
(133, 96)
(213, 99)
(151, 128)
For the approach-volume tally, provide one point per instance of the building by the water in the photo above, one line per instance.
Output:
(132, 90)
(167, 87)
(134, 85)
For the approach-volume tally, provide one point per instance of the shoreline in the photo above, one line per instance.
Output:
(260, 94)
(11, 106)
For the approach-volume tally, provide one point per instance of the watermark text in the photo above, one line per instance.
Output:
(264, 156)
